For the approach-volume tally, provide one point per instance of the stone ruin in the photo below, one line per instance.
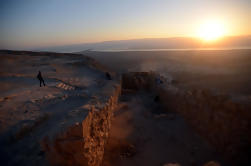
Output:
(225, 124)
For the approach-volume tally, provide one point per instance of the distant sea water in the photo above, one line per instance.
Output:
(171, 49)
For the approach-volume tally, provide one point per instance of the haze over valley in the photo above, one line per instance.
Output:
(234, 42)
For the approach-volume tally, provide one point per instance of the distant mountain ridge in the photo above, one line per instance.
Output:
(156, 43)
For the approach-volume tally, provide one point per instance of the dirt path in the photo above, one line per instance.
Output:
(143, 134)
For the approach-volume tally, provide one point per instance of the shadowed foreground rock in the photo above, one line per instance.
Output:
(223, 122)
(68, 121)
(64, 123)
(83, 143)
(212, 163)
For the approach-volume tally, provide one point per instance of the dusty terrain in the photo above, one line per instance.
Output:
(143, 133)
(28, 113)
(223, 71)
(66, 76)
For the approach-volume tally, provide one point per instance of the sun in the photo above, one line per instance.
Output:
(211, 31)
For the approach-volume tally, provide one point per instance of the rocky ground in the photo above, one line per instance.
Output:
(29, 113)
(143, 133)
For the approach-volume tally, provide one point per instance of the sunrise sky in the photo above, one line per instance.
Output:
(26, 24)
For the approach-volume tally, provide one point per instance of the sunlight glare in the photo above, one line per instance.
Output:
(211, 31)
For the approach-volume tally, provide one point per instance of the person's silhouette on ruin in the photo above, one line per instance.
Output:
(156, 99)
(108, 76)
(40, 78)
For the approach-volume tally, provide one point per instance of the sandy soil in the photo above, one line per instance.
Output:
(143, 134)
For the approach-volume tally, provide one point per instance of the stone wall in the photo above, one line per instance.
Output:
(224, 123)
(138, 81)
(83, 143)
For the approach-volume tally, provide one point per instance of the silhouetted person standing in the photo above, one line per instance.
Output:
(39, 76)
(108, 76)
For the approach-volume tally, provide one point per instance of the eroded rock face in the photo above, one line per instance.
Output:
(48, 125)
(83, 143)
(224, 123)
(138, 80)
(66, 148)
(221, 121)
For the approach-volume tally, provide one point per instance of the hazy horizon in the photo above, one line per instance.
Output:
(27, 24)
(148, 44)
